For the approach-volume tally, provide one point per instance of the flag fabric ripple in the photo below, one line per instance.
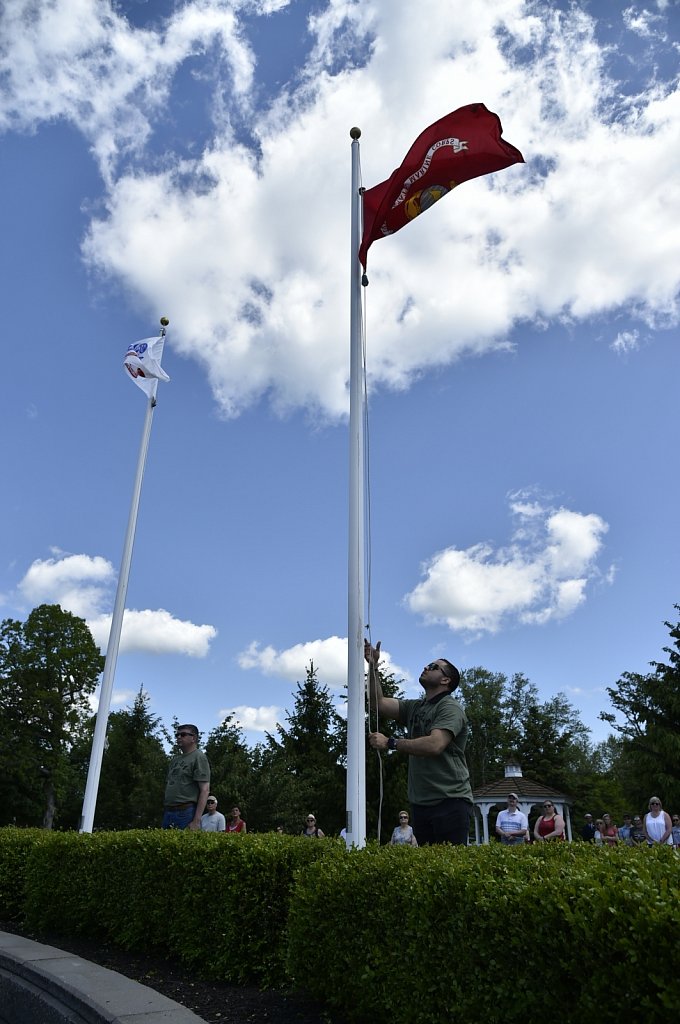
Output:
(143, 364)
(464, 144)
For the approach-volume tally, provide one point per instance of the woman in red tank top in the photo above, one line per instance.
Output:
(551, 825)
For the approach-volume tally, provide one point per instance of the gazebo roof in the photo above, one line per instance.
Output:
(526, 789)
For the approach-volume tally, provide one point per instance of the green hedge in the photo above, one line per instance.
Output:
(16, 846)
(386, 934)
(218, 902)
(489, 934)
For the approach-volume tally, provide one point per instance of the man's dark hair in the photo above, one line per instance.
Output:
(452, 674)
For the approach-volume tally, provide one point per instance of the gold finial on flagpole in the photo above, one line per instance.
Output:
(164, 323)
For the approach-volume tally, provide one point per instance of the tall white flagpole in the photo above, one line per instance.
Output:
(356, 685)
(95, 767)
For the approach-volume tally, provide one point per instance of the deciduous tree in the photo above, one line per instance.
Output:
(49, 666)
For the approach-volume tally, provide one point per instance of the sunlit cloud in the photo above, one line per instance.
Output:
(329, 657)
(586, 227)
(155, 632)
(83, 585)
(261, 719)
(542, 575)
(79, 583)
(119, 699)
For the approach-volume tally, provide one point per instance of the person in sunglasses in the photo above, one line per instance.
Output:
(188, 782)
(438, 779)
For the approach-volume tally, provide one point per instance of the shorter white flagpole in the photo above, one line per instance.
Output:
(356, 685)
(95, 767)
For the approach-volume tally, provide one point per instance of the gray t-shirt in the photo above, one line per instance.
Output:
(433, 779)
(185, 771)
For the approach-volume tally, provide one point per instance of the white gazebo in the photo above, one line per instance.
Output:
(531, 795)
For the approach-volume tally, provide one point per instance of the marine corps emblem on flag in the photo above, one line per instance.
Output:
(464, 144)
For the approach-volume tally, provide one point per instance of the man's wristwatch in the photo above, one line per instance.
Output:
(392, 743)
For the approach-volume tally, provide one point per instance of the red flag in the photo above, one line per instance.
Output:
(462, 145)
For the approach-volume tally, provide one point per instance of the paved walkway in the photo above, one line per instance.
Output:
(44, 985)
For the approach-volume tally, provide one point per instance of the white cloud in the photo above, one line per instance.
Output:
(643, 22)
(329, 657)
(255, 236)
(155, 632)
(542, 575)
(625, 341)
(83, 585)
(262, 719)
(119, 698)
(79, 583)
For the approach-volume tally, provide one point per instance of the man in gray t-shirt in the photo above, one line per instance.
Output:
(187, 782)
(438, 779)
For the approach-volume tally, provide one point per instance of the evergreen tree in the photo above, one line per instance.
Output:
(134, 768)
(308, 755)
(231, 768)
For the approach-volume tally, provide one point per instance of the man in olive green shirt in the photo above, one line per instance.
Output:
(438, 779)
(187, 783)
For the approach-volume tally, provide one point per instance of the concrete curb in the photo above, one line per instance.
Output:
(43, 985)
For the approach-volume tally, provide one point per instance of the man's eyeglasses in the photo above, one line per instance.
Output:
(211, 801)
(403, 817)
(311, 819)
(185, 733)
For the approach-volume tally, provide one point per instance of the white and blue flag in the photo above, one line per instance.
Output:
(143, 364)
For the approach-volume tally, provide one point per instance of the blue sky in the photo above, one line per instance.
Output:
(193, 160)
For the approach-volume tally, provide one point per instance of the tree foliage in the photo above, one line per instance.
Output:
(49, 667)
(507, 721)
(649, 725)
(133, 772)
(308, 755)
(231, 767)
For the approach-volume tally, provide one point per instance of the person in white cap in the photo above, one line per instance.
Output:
(212, 820)
(512, 826)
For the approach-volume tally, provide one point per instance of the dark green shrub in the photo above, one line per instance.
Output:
(240, 892)
(16, 845)
(439, 935)
(385, 934)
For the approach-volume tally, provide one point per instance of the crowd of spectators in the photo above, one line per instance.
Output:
(655, 828)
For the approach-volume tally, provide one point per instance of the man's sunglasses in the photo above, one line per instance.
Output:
(433, 666)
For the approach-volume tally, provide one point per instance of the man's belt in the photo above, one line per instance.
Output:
(180, 807)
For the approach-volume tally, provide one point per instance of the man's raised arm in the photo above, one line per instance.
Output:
(388, 707)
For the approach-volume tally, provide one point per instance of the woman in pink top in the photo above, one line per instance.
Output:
(551, 825)
(610, 833)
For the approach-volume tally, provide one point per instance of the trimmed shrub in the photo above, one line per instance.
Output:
(16, 845)
(219, 902)
(455, 934)
(386, 934)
